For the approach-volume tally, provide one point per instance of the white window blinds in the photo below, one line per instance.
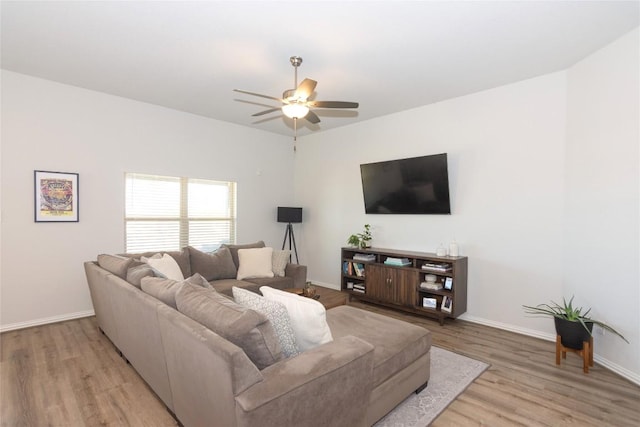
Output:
(168, 213)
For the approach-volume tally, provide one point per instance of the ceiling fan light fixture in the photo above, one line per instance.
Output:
(295, 110)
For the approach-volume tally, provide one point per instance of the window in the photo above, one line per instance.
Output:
(165, 213)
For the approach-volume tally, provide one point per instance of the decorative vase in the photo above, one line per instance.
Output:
(308, 290)
(572, 334)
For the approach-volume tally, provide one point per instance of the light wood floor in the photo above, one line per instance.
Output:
(68, 374)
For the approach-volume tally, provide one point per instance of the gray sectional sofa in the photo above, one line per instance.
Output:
(372, 364)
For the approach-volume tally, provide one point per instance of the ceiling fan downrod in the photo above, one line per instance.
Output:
(295, 61)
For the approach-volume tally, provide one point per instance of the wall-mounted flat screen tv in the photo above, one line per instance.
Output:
(418, 185)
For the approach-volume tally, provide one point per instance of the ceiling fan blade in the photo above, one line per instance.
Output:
(306, 88)
(270, 110)
(312, 117)
(332, 104)
(258, 94)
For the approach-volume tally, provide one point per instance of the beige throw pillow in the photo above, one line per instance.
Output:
(165, 266)
(279, 261)
(255, 263)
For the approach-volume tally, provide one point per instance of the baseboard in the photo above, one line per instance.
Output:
(46, 321)
(613, 367)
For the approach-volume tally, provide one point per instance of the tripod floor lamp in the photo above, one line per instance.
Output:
(290, 216)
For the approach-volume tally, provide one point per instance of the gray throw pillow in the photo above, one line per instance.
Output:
(137, 273)
(165, 289)
(244, 327)
(115, 264)
(276, 312)
(214, 266)
(234, 250)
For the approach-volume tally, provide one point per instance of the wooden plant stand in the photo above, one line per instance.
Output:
(586, 352)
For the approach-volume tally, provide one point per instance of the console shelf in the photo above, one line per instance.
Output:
(392, 278)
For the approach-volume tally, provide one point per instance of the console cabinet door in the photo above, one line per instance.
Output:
(392, 285)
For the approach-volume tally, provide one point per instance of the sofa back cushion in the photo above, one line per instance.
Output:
(181, 257)
(165, 289)
(115, 264)
(213, 266)
(234, 250)
(244, 327)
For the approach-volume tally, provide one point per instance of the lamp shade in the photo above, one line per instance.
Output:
(295, 110)
(286, 214)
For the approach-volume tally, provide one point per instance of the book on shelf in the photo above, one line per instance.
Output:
(364, 257)
(359, 269)
(429, 302)
(360, 291)
(437, 267)
(397, 261)
(358, 286)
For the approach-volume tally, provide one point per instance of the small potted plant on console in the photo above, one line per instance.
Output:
(361, 240)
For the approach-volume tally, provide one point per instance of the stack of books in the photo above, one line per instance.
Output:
(364, 257)
(437, 267)
(397, 261)
(359, 287)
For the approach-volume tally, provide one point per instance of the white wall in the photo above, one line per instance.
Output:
(50, 126)
(506, 159)
(603, 194)
(517, 160)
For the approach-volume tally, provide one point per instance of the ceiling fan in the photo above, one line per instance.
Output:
(296, 103)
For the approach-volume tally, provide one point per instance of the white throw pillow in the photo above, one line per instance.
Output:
(165, 266)
(254, 263)
(280, 260)
(308, 317)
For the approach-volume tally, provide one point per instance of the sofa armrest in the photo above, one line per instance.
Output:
(298, 273)
(293, 391)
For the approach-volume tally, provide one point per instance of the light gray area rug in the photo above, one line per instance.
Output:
(451, 374)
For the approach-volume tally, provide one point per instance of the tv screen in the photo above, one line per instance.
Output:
(418, 185)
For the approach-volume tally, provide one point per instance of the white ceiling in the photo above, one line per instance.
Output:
(388, 55)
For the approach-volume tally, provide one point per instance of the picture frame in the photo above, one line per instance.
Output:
(447, 304)
(56, 196)
(448, 283)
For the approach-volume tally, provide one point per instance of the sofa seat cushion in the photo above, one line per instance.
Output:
(224, 286)
(273, 282)
(246, 328)
(397, 343)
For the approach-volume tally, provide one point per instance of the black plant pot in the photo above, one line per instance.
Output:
(572, 334)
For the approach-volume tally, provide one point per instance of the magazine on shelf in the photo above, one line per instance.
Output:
(397, 261)
(437, 267)
(364, 257)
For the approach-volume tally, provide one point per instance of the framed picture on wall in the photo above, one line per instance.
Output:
(56, 196)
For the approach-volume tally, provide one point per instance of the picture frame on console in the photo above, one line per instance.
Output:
(447, 304)
(448, 283)
(56, 196)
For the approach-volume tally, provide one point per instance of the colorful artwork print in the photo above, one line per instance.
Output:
(56, 197)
